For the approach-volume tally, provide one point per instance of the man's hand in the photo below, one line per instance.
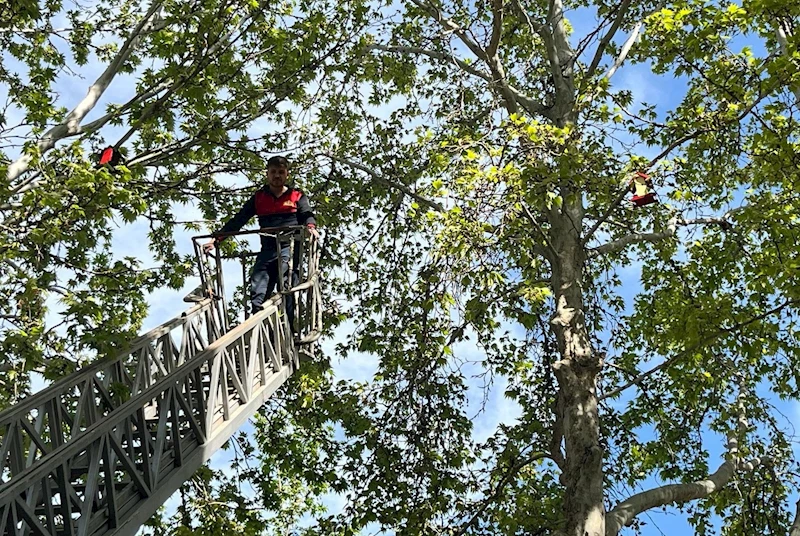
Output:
(208, 246)
(313, 231)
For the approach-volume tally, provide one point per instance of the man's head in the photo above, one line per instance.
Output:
(277, 172)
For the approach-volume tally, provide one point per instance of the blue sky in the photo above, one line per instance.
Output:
(165, 303)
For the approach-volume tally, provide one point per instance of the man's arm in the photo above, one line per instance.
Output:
(305, 216)
(238, 221)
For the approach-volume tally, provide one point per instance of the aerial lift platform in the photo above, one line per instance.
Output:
(98, 452)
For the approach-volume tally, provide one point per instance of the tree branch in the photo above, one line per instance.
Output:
(606, 39)
(782, 33)
(561, 59)
(692, 135)
(602, 219)
(97, 123)
(391, 184)
(633, 238)
(623, 53)
(636, 238)
(451, 26)
(511, 95)
(672, 146)
(512, 472)
(795, 530)
(493, 57)
(521, 13)
(497, 28)
(205, 58)
(71, 124)
(735, 328)
(622, 514)
(532, 106)
(548, 252)
(466, 67)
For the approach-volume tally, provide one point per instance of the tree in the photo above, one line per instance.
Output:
(486, 210)
(492, 203)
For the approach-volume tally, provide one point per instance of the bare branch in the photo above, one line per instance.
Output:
(154, 156)
(71, 124)
(521, 13)
(607, 214)
(510, 95)
(623, 53)
(635, 238)
(493, 57)
(723, 221)
(513, 471)
(58, 290)
(622, 10)
(97, 123)
(451, 26)
(548, 252)
(223, 41)
(497, 28)
(782, 32)
(692, 135)
(622, 514)
(391, 184)
(556, 19)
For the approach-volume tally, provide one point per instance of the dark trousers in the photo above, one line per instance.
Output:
(264, 278)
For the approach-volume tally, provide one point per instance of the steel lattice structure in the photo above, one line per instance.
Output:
(99, 451)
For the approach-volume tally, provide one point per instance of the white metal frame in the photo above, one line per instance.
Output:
(98, 452)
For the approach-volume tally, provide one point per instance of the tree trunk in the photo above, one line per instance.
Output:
(577, 372)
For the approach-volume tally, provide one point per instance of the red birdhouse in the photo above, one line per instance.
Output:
(110, 157)
(642, 190)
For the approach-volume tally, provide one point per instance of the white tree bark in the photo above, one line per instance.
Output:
(675, 222)
(72, 123)
(795, 529)
(623, 53)
(576, 371)
(622, 10)
(783, 32)
(622, 514)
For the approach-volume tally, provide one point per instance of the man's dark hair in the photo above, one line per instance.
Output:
(278, 161)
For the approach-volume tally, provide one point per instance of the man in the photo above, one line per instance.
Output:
(276, 205)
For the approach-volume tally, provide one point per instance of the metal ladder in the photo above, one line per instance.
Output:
(99, 451)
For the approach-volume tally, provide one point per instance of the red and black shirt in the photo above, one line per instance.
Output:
(290, 208)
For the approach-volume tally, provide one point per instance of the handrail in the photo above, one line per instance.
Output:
(130, 407)
(71, 380)
(252, 231)
(114, 475)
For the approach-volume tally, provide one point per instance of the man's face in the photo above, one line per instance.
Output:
(277, 176)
